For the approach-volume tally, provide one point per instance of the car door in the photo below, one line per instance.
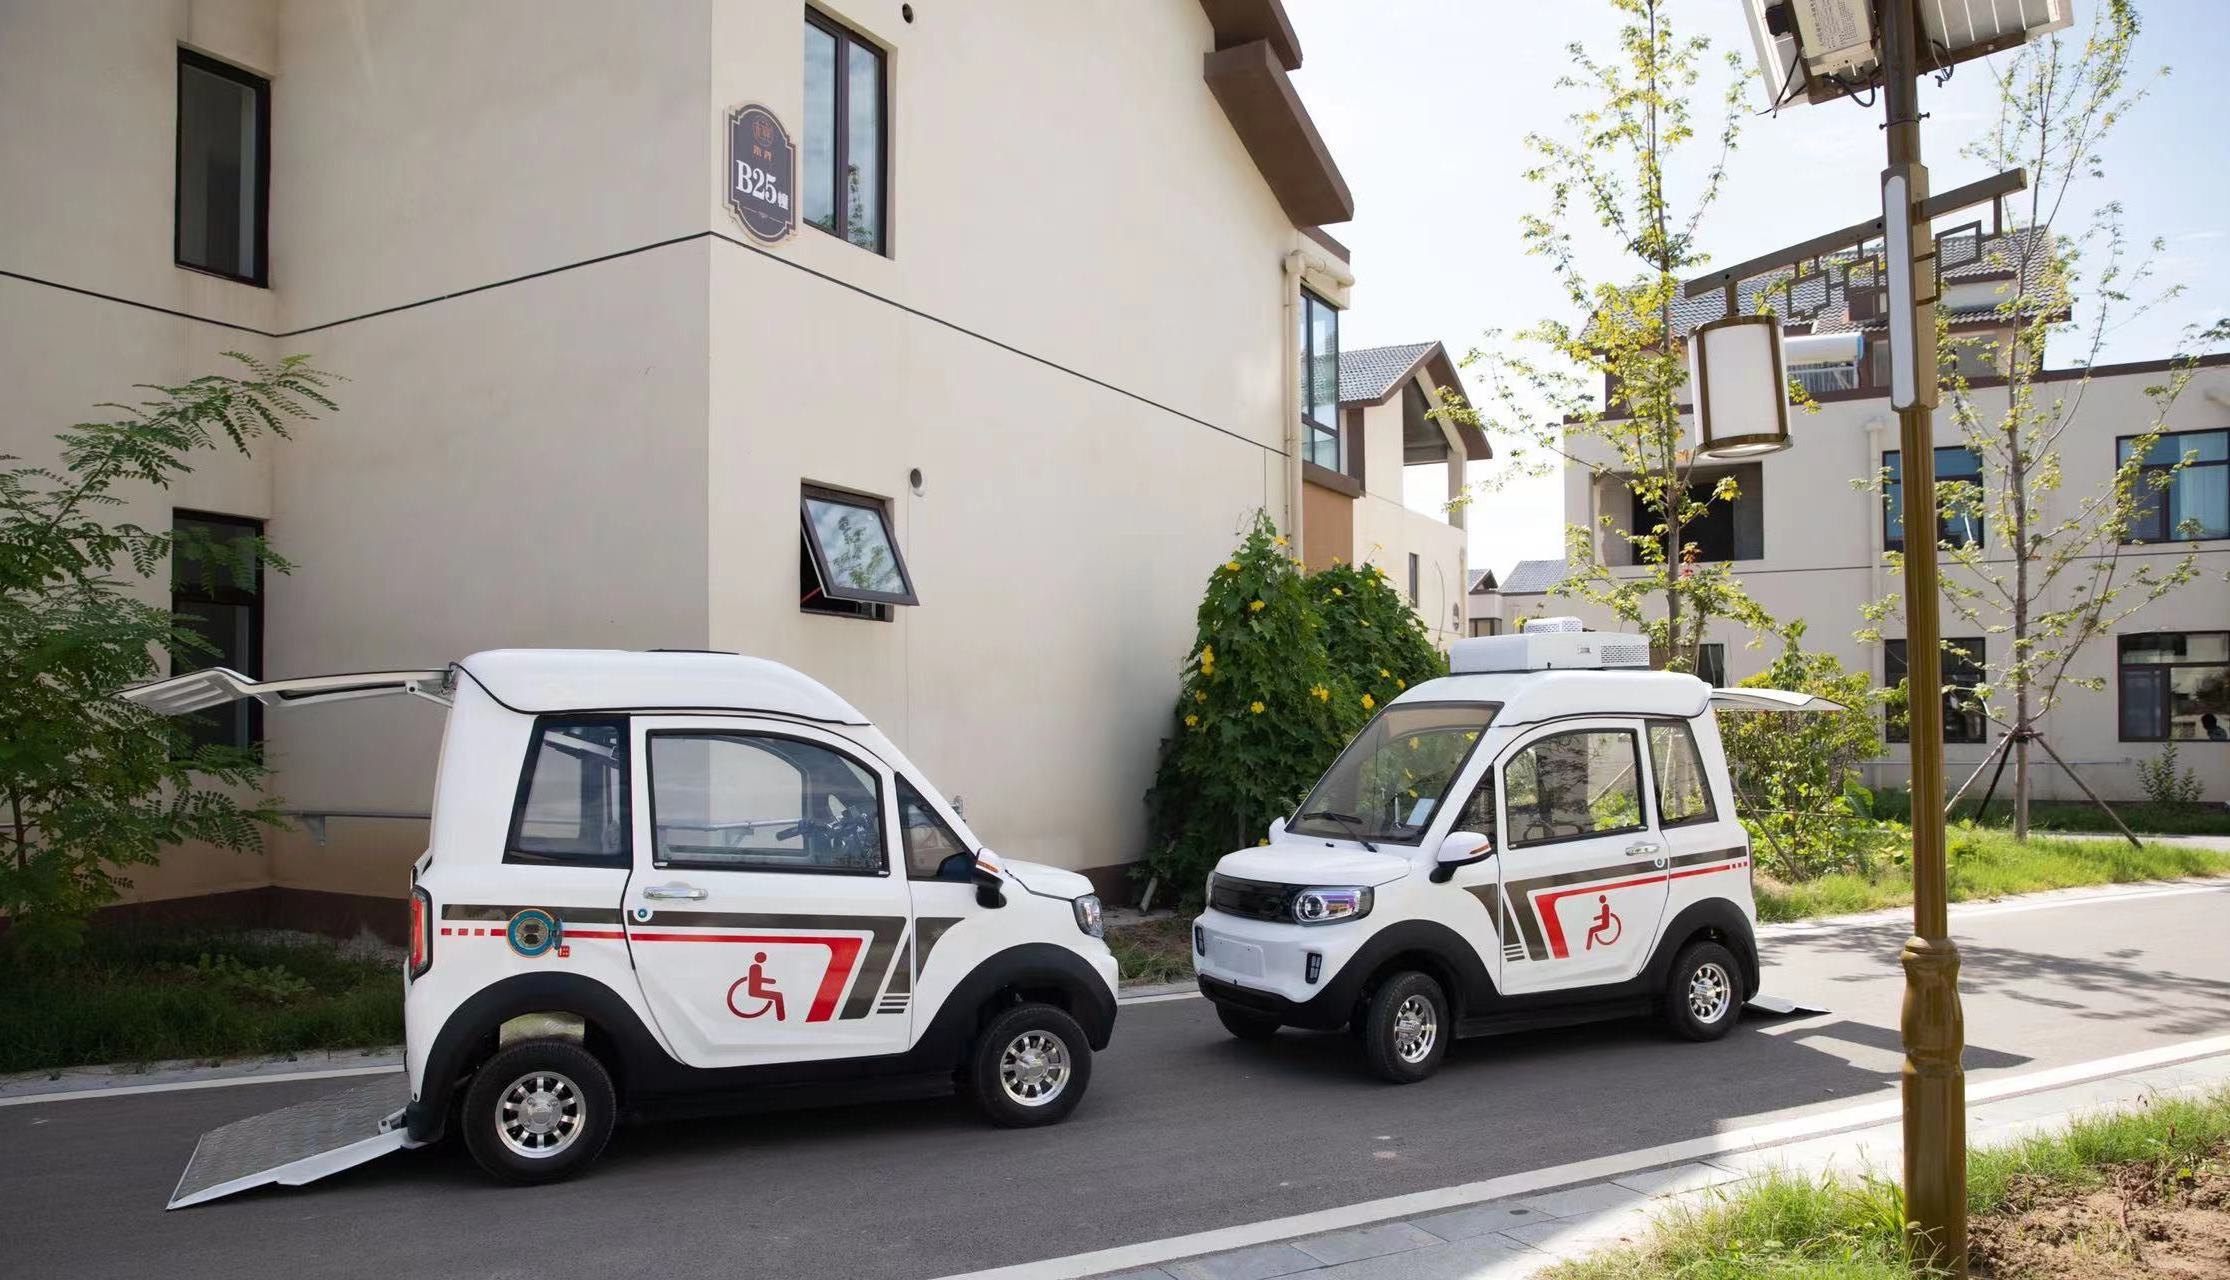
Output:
(764, 913)
(1581, 865)
(1707, 853)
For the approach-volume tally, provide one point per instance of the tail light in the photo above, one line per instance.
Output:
(421, 931)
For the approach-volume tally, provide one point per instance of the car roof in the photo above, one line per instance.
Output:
(541, 681)
(1529, 697)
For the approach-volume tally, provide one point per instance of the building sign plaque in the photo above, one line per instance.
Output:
(762, 174)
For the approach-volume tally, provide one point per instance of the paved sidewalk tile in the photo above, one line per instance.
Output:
(1679, 1178)
(1149, 1273)
(1262, 1262)
(1477, 1220)
(1365, 1242)
(1485, 1258)
(1593, 1198)
(1570, 1236)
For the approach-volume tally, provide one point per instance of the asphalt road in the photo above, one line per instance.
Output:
(1184, 1130)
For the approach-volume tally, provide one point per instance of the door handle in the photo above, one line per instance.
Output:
(674, 893)
(1644, 850)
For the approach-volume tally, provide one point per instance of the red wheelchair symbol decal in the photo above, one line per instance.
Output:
(757, 986)
(1607, 927)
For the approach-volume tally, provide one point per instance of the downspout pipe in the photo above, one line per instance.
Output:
(1295, 264)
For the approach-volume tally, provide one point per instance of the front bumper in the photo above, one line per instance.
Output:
(1264, 967)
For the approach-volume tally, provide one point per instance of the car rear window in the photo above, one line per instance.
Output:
(572, 805)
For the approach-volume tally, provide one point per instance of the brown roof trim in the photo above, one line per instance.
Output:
(1435, 360)
(1322, 237)
(1240, 22)
(1326, 478)
(1266, 112)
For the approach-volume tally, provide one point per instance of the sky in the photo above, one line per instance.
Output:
(1425, 105)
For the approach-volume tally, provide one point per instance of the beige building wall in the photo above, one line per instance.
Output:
(1823, 543)
(1079, 338)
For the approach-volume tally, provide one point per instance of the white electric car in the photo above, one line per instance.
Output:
(1545, 836)
(657, 875)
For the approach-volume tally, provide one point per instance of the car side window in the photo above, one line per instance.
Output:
(1477, 813)
(571, 807)
(762, 802)
(930, 844)
(1566, 786)
(1683, 792)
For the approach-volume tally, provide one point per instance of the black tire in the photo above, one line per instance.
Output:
(1246, 1026)
(1042, 1037)
(565, 1086)
(1703, 994)
(1391, 1055)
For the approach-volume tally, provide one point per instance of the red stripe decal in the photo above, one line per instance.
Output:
(594, 933)
(843, 954)
(1545, 903)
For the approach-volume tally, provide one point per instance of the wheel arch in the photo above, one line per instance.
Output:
(1717, 920)
(1033, 971)
(1429, 947)
(611, 1032)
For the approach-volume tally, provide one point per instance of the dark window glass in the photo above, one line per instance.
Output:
(1585, 782)
(224, 132)
(572, 804)
(2181, 505)
(1683, 792)
(1415, 567)
(216, 585)
(1477, 814)
(851, 563)
(1320, 381)
(1718, 533)
(2175, 684)
(1964, 721)
(1958, 498)
(933, 852)
(1711, 665)
(758, 802)
(845, 147)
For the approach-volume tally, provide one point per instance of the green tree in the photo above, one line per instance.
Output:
(1627, 154)
(2051, 573)
(91, 786)
(1795, 774)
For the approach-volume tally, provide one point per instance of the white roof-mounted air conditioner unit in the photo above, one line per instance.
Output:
(1536, 650)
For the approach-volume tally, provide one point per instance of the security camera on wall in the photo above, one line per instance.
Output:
(1813, 50)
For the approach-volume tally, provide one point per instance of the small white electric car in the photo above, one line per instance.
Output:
(1545, 836)
(667, 874)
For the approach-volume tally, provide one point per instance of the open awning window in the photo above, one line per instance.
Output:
(851, 550)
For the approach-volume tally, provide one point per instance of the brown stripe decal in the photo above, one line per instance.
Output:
(883, 934)
(567, 915)
(927, 931)
(1520, 893)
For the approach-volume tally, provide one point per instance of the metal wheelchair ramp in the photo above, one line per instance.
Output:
(298, 1144)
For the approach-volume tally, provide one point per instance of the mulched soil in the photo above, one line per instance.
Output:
(2144, 1224)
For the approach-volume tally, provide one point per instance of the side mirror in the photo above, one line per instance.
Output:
(990, 880)
(1460, 849)
(1277, 829)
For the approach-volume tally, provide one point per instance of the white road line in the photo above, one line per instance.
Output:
(181, 1086)
(1864, 1116)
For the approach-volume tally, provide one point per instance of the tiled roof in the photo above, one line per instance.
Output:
(1368, 374)
(1530, 576)
(1483, 580)
(1820, 297)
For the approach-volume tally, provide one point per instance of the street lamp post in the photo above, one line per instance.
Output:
(1934, 1082)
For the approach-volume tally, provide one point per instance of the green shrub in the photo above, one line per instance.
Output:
(1283, 671)
(2165, 783)
(1795, 774)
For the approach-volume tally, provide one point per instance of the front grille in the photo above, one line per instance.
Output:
(1253, 899)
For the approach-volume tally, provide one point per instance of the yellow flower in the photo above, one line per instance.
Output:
(1366, 622)
(1384, 672)
(1400, 683)
(1369, 702)
(1281, 540)
(1412, 744)
(1471, 737)
(1320, 693)
(1263, 840)
(1337, 592)
(1255, 706)
(1255, 607)
(1191, 720)
(1413, 793)
(1231, 566)
(1200, 695)
(1337, 560)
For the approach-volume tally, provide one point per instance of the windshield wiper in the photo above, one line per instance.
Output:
(1353, 824)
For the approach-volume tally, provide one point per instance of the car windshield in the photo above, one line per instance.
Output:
(1393, 777)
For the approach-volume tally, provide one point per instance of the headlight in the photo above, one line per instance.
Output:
(1088, 915)
(1324, 906)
